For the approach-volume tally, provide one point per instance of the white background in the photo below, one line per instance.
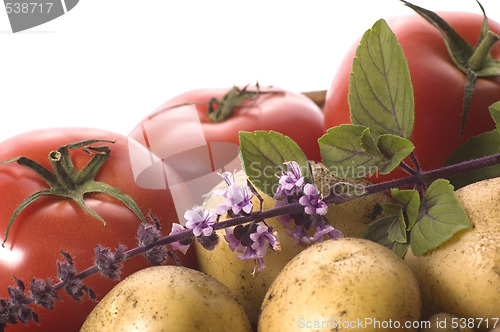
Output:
(109, 63)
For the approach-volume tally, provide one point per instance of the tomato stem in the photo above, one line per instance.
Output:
(221, 109)
(482, 52)
(65, 180)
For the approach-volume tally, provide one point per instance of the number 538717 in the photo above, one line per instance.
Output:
(28, 7)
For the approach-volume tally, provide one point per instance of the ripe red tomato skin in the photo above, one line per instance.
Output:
(289, 113)
(438, 88)
(52, 224)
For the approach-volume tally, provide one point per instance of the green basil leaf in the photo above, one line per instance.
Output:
(439, 218)
(495, 113)
(353, 151)
(394, 149)
(410, 202)
(485, 144)
(263, 153)
(380, 88)
(378, 232)
(343, 153)
(397, 230)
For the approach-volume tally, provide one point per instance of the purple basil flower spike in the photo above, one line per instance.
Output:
(238, 198)
(200, 221)
(312, 201)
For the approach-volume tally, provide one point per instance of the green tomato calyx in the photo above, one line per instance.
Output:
(221, 109)
(473, 61)
(67, 182)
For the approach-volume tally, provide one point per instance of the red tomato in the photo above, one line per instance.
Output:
(289, 113)
(53, 224)
(195, 148)
(438, 88)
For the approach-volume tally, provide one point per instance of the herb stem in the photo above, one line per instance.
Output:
(428, 176)
(407, 168)
(415, 161)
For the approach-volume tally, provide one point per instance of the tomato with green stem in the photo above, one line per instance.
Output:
(195, 134)
(94, 185)
(442, 122)
(223, 113)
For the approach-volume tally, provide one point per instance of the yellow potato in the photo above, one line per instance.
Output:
(350, 283)
(462, 276)
(168, 298)
(352, 218)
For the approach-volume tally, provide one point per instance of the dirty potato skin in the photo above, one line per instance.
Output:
(462, 276)
(352, 218)
(168, 298)
(342, 280)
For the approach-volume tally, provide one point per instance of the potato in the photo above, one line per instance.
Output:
(445, 322)
(168, 298)
(350, 283)
(352, 218)
(462, 276)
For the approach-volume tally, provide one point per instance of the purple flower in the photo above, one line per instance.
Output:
(312, 201)
(327, 230)
(182, 246)
(200, 221)
(238, 198)
(291, 182)
(262, 238)
(258, 260)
